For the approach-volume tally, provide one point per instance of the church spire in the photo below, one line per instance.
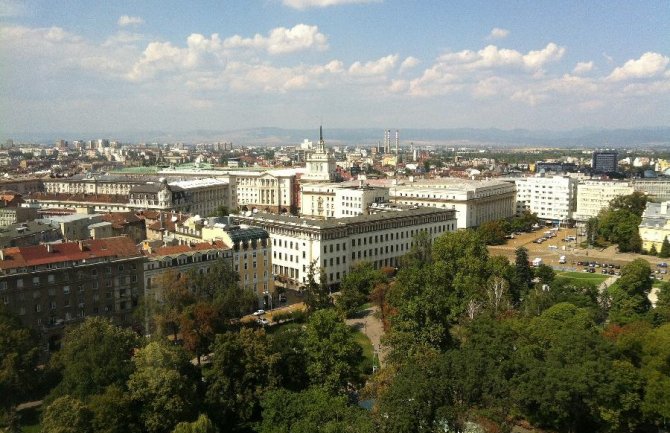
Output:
(322, 145)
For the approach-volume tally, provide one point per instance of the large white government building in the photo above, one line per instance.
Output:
(475, 201)
(335, 245)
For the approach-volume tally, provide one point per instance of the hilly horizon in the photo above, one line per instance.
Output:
(275, 136)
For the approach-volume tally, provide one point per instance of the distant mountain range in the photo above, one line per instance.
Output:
(270, 136)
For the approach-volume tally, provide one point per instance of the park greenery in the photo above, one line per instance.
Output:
(618, 224)
(475, 343)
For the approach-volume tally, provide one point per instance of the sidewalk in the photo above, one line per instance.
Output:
(368, 323)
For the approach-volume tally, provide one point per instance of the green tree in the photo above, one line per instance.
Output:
(162, 386)
(113, 412)
(317, 294)
(634, 203)
(524, 273)
(629, 295)
(357, 285)
(94, 355)
(243, 368)
(661, 313)
(620, 226)
(421, 397)
(426, 300)
(220, 211)
(493, 232)
(312, 410)
(288, 343)
(67, 414)
(656, 370)
(170, 296)
(202, 425)
(665, 249)
(564, 363)
(621, 410)
(592, 229)
(19, 355)
(420, 253)
(332, 352)
(198, 324)
(545, 274)
(653, 251)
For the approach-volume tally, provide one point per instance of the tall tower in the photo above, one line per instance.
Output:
(321, 165)
(397, 141)
(387, 141)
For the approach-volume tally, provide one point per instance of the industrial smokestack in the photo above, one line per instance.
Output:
(397, 141)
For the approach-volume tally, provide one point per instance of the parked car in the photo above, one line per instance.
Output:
(259, 312)
(662, 265)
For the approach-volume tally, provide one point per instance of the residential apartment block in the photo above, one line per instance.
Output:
(552, 198)
(596, 195)
(50, 286)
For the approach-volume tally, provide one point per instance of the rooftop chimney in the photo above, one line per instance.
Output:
(81, 245)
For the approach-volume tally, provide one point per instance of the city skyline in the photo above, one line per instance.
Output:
(175, 67)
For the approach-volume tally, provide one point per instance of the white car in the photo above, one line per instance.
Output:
(259, 312)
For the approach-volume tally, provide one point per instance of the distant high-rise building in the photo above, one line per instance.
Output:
(604, 161)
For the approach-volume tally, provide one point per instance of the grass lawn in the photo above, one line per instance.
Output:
(30, 420)
(367, 362)
(583, 276)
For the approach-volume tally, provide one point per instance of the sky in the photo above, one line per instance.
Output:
(163, 65)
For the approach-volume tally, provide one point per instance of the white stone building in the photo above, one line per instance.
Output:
(552, 198)
(204, 196)
(335, 245)
(340, 200)
(475, 201)
(321, 164)
(596, 195)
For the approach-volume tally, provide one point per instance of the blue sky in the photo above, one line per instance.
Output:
(85, 66)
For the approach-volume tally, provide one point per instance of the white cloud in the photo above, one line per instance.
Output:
(537, 59)
(409, 63)
(125, 20)
(582, 68)
(282, 40)
(307, 4)
(493, 57)
(498, 33)
(647, 66)
(374, 67)
(490, 87)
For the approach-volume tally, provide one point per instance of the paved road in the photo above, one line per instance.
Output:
(368, 322)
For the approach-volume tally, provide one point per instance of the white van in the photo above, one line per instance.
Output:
(537, 261)
(562, 260)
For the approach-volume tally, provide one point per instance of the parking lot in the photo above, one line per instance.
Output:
(551, 249)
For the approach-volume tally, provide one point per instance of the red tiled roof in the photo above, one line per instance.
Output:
(167, 223)
(120, 219)
(19, 257)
